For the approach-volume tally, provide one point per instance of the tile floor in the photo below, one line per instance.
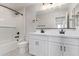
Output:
(17, 53)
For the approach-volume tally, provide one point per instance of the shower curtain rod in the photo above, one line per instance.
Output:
(12, 10)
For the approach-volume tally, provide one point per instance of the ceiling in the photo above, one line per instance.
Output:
(17, 6)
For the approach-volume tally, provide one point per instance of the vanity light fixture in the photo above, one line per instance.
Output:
(46, 6)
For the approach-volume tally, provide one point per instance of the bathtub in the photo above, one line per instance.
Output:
(7, 46)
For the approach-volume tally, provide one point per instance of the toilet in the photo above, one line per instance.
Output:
(23, 47)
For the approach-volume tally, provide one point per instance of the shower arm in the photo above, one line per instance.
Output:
(16, 12)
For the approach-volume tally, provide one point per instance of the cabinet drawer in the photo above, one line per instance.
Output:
(40, 37)
(55, 39)
(71, 41)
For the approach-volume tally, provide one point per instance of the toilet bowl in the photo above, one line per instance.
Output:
(23, 47)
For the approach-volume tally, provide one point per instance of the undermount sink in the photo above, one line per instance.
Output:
(21, 43)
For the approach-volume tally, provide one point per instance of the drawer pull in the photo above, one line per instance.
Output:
(60, 48)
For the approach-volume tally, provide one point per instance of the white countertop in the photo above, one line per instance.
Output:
(47, 34)
(70, 34)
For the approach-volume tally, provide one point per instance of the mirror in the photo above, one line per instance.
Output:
(75, 16)
(58, 17)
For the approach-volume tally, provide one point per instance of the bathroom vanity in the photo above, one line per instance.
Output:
(43, 44)
(53, 42)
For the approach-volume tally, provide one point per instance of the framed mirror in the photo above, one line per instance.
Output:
(57, 17)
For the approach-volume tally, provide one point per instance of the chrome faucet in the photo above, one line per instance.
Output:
(62, 31)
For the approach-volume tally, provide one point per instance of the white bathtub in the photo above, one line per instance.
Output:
(7, 46)
(7, 40)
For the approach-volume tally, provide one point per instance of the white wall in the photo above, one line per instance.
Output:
(30, 15)
(7, 17)
(20, 24)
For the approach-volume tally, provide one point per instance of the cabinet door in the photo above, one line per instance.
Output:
(55, 49)
(38, 47)
(71, 50)
(44, 48)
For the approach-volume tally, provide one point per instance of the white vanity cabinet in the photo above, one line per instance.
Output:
(63, 49)
(38, 46)
(71, 50)
(41, 45)
(44, 46)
